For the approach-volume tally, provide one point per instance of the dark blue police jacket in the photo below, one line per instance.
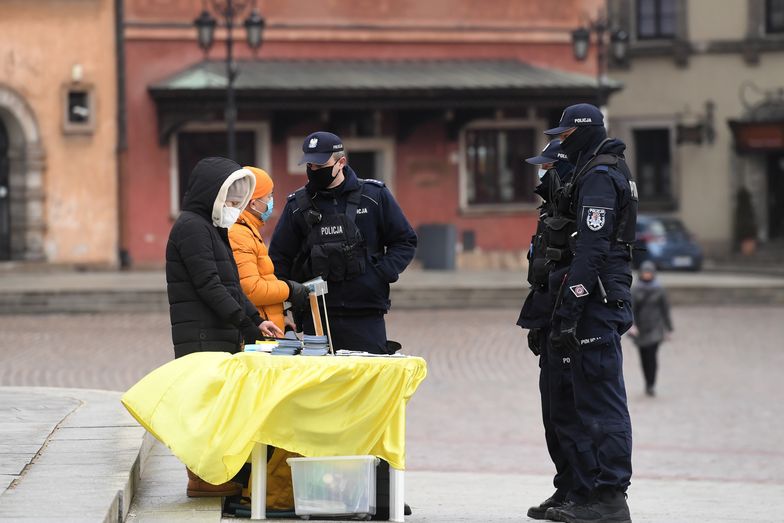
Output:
(600, 195)
(391, 242)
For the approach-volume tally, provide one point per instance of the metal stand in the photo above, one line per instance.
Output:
(318, 287)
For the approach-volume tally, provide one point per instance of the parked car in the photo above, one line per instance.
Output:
(666, 242)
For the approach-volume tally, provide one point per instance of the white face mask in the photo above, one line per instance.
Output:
(541, 173)
(229, 216)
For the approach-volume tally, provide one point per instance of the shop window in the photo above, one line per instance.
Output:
(495, 168)
(653, 167)
(656, 19)
(774, 16)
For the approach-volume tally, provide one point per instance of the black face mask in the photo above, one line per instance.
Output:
(576, 143)
(582, 142)
(320, 178)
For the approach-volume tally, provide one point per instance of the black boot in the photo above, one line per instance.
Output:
(556, 500)
(607, 505)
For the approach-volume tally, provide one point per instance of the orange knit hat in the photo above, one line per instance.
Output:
(263, 182)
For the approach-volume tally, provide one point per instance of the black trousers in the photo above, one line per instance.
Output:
(648, 358)
(353, 332)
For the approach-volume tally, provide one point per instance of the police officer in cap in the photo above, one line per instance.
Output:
(593, 306)
(352, 233)
(567, 440)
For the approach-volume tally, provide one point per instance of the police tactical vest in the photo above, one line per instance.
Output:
(625, 230)
(334, 247)
(549, 245)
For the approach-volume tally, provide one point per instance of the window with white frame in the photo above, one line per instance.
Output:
(495, 168)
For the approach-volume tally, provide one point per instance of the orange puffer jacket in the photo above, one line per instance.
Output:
(257, 274)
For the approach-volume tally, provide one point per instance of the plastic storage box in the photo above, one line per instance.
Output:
(334, 486)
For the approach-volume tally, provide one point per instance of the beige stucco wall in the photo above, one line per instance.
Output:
(717, 19)
(655, 89)
(39, 44)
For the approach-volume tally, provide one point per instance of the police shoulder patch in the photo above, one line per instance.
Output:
(595, 218)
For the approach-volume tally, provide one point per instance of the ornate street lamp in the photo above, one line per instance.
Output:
(581, 38)
(254, 28)
(205, 27)
(581, 41)
(229, 11)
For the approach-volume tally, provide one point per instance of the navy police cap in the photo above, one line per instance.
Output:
(319, 147)
(551, 153)
(577, 116)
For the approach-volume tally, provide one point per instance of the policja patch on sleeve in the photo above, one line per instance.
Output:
(595, 218)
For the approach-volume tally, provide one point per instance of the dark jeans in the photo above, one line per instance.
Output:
(648, 357)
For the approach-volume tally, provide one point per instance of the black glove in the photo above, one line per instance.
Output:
(565, 338)
(298, 295)
(534, 336)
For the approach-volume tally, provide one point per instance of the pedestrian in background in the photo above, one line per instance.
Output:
(652, 323)
(257, 274)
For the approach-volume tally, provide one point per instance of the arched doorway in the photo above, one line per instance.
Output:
(22, 223)
(5, 196)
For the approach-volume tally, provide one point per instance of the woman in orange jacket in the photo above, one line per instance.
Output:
(267, 293)
(257, 274)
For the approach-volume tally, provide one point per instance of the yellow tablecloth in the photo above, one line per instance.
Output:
(210, 408)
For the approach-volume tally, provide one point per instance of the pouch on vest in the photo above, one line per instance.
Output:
(537, 262)
(338, 249)
(558, 230)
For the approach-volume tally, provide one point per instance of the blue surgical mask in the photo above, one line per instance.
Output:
(541, 173)
(266, 214)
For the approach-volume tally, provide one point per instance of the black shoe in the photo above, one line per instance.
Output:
(608, 506)
(557, 513)
(406, 509)
(540, 511)
(650, 391)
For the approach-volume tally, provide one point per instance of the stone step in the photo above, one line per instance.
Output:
(402, 298)
(77, 455)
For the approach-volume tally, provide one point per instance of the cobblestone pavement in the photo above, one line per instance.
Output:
(717, 415)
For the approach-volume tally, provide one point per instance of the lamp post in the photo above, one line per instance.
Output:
(229, 11)
(619, 45)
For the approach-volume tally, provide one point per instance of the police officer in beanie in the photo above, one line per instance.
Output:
(567, 440)
(352, 233)
(593, 306)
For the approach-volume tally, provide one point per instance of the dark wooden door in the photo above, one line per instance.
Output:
(776, 196)
(192, 146)
(5, 196)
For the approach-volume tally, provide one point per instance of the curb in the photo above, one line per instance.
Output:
(130, 301)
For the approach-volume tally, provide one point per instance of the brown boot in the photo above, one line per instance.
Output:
(198, 488)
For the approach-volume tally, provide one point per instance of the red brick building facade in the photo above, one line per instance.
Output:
(440, 99)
